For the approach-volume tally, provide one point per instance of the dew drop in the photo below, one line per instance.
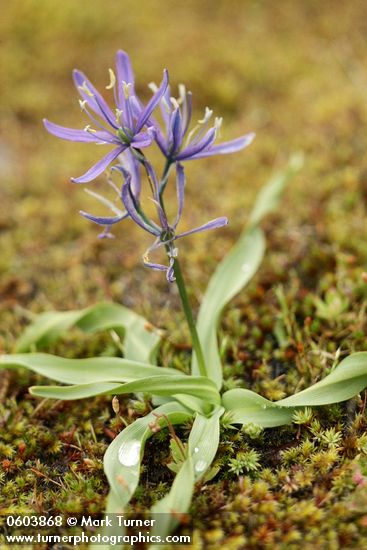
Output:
(196, 450)
(200, 465)
(129, 453)
(245, 267)
(263, 406)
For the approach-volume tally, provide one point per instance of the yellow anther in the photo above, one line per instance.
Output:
(153, 86)
(218, 121)
(118, 114)
(85, 89)
(181, 93)
(217, 124)
(82, 104)
(207, 115)
(112, 80)
(174, 102)
(89, 129)
(126, 88)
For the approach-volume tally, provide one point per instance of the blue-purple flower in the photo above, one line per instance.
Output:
(127, 127)
(165, 233)
(178, 143)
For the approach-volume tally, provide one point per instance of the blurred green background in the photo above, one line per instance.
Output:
(295, 72)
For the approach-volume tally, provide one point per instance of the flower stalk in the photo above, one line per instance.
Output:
(189, 317)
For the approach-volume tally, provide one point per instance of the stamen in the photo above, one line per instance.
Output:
(174, 102)
(217, 125)
(112, 80)
(85, 89)
(181, 93)
(126, 88)
(118, 115)
(89, 129)
(82, 104)
(191, 134)
(166, 107)
(153, 86)
(207, 116)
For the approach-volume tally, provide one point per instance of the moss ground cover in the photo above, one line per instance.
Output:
(294, 73)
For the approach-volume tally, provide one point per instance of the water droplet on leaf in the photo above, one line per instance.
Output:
(200, 465)
(196, 450)
(129, 453)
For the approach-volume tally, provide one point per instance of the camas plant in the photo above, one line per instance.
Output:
(176, 397)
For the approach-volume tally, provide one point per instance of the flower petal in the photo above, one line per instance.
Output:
(227, 147)
(108, 220)
(192, 150)
(213, 224)
(175, 131)
(72, 134)
(145, 114)
(95, 101)
(124, 74)
(131, 165)
(143, 139)
(100, 166)
(130, 204)
(180, 187)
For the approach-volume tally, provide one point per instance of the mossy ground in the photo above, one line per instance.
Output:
(295, 72)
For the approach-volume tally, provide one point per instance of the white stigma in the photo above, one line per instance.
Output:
(112, 80)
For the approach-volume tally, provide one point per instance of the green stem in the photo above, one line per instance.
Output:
(189, 317)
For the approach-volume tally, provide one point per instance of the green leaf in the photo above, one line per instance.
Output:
(140, 341)
(236, 270)
(123, 457)
(344, 382)
(247, 407)
(159, 385)
(202, 448)
(231, 275)
(81, 371)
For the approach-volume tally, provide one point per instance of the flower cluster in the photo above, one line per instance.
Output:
(131, 128)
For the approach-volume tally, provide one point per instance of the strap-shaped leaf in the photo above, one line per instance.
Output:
(231, 275)
(236, 270)
(122, 462)
(202, 448)
(82, 371)
(344, 382)
(248, 407)
(123, 457)
(140, 341)
(197, 386)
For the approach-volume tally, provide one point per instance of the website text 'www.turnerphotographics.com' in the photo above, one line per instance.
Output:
(112, 530)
